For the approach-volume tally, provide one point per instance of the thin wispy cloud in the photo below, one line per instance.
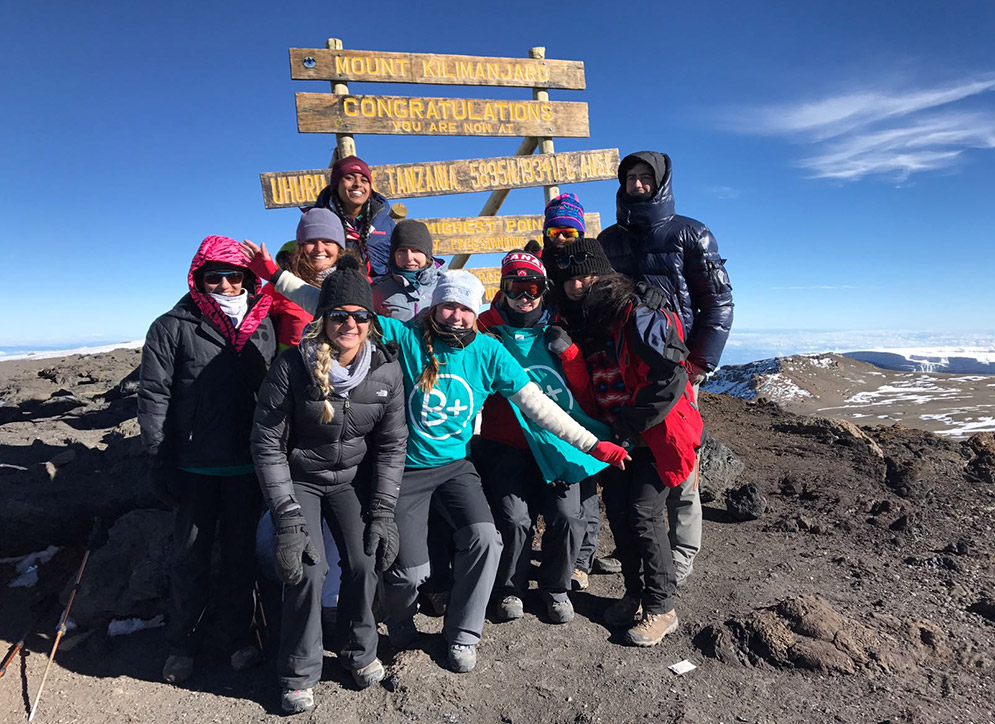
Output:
(880, 132)
(724, 192)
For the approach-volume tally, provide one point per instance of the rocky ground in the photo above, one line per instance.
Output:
(847, 575)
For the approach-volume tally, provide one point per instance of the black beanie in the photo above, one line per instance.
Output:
(576, 259)
(411, 234)
(346, 285)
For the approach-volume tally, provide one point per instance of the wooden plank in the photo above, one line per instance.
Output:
(492, 234)
(489, 275)
(438, 178)
(382, 67)
(426, 116)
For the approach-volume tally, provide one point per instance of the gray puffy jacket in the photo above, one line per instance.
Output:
(397, 298)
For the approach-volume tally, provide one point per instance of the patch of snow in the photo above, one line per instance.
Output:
(781, 388)
(126, 626)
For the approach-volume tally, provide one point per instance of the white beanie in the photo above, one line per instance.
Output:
(460, 287)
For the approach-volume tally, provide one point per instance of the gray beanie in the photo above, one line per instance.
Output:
(320, 224)
(461, 287)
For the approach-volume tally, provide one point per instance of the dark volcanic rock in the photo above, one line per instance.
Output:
(719, 469)
(746, 502)
(982, 466)
(126, 577)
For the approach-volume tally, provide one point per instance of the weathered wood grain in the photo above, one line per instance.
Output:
(386, 67)
(429, 116)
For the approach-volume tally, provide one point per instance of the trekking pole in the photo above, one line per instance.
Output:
(18, 646)
(61, 628)
(259, 617)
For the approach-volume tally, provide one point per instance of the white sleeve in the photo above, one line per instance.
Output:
(297, 290)
(550, 416)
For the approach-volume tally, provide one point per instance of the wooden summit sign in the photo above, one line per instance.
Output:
(492, 234)
(405, 115)
(538, 120)
(377, 66)
(412, 180)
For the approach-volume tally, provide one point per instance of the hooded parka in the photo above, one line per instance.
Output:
(676, 253)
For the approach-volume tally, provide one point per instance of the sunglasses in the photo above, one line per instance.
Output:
(566, 231)
(339, 316)
(563, 261)
(215, 277)
(516, 289)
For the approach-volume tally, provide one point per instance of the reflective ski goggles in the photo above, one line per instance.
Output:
(339, 316)
(566, 231)
(528, 288)
(215, 277)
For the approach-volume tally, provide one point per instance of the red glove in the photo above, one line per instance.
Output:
(609, 452)
(260, 262)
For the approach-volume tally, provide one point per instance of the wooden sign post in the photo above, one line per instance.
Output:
(538, 121)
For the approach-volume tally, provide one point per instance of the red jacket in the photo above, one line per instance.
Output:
(289, 319)
(662, 410)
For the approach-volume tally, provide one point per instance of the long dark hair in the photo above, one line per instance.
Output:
(603, 309)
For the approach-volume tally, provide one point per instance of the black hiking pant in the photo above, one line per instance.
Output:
(635, 500)
(225, 508)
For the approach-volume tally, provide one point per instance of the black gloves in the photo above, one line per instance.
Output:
(380, 538)
(652, 297)
(292, 546)
(164, 480)
(557, 340)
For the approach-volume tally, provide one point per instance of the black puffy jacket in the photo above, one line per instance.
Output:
(676, 253)
(197, 393)
(290, 442)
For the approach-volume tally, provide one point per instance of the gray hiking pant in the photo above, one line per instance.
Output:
(455, 491)
(684, 516)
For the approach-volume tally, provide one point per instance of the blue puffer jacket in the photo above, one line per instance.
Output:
(378, 241)
(676, 253)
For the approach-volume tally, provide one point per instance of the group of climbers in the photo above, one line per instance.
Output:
(583, 372)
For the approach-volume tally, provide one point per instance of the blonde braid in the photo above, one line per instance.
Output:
(322, 366)
(430, 373)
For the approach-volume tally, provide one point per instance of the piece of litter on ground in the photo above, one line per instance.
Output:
(125, 626)
(682, 667)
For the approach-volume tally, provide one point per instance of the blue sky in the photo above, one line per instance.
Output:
(842, 153)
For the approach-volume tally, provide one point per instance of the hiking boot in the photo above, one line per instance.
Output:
(177, 669)
(683, 571)
(579, 581)
(624, 611)
(372, 673)
(433, 603)
(403, 634)
(652, 628)
(559, 609)
(608, 564)
(509, 608)
(296, 701)
(462, 658)
(245, 658)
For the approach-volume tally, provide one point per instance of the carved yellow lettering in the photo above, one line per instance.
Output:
(546, 111)
(285, 190)
(309, 190)
(340, 65)
(275, 191)
(350, 106)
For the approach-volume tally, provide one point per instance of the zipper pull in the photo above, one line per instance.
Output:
(346, 404)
